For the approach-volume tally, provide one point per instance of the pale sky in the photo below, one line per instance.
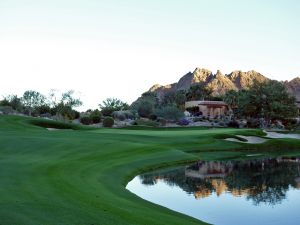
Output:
(120, 48)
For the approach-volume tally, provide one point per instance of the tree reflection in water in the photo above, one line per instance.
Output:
(262, 181)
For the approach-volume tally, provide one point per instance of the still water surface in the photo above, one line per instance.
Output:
(228, 193)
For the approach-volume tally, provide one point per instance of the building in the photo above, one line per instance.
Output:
(210, 109)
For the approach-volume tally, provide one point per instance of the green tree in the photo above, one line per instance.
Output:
(111, 105)
(269, 100)
(180, 98)
(145, 108)
(169, 112)
(69, 100)
(32, 99)
(198, 92)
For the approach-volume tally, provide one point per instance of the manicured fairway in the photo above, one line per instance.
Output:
(78, 177)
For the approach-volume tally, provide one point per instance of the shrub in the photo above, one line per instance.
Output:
(145, 108)
(107, 111)
(253, 123)
(193, 110)
(76, 114)
(148, 123)
(170, 113)
(6, 109)
(162, 121)
(290, 123)
(123, 115)
(96, 116)
(108, 121)
(86, 120)
(183, 122)
(233, 124)
(153, 117)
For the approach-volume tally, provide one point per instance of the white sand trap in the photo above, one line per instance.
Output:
(279, 135)
(259, 140)
(250, 139)
(52, 129)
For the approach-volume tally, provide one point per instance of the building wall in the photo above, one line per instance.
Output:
(207, 109)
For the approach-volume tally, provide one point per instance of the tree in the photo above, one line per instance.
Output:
(32, 99)
(269, 100)
(145, 108)
(169, 112)
(64, 107)
(111, 105)
(68, 99)
(180, 98)
(198, 92)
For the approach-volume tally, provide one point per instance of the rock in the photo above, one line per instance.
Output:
(220, 83)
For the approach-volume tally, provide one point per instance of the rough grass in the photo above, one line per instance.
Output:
(78, 177)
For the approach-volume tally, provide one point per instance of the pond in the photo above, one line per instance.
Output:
(228, 192)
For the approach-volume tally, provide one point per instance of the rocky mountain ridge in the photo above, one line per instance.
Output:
(220, 83)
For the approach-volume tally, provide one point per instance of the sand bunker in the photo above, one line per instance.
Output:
(52, 129)
(279, 135)
(250, 139)
(259, 140)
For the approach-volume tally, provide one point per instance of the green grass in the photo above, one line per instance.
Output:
(78, 176)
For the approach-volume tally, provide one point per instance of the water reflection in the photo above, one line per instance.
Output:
(261, 181)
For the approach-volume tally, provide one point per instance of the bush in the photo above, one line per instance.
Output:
(148, 123)
(123, 115)
(107, 111)
(76, 114)
(145, 108)
(253, 123)
(86, 120)
(233, 124)
(170, 113)
(153, 117)
(6, 109)
(96, 116)
(290, 124)
(183, 122)
(108, 121)
(162, 121)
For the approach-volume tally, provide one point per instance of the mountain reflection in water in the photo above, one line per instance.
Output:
(262, 181)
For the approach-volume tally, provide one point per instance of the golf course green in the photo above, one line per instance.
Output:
(77, 175)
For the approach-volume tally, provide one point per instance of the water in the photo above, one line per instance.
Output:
(228, 193)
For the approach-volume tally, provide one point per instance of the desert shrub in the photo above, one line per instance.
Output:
(143, 122)
(233, 124)
(108, 121)
(107, 111)
(86, 120)
(153, 117)
(222, 124)
(76, 114)
(162, 121)
(197, 119)
(290, 124)
(43, 109)
(183, 122)
(253, 123)
(95, 116)
(53, 124)
(145, 108)
(193, 110)
(171, 113)
(6, 109)
(123, 115)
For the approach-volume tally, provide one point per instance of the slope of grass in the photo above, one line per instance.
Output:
(78, 177)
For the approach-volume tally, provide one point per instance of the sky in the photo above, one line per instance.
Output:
(120, 48)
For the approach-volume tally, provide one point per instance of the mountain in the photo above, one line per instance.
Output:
(220, 83)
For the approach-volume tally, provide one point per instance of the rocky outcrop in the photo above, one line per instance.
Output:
(293, 87)
(220, 83)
